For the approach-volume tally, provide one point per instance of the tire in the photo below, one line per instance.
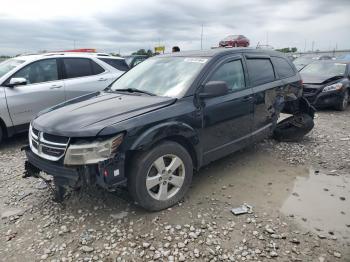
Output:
(151, 167)
(342, 105)
(294, 128)
(1, 135)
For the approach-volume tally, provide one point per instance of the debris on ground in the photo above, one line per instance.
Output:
(243, 209)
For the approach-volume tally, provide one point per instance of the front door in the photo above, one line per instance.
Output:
(42, 90)
(228, 119)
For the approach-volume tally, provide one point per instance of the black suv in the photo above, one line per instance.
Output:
(161, 120)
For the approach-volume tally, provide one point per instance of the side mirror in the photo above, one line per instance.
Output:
(17, 81)
(213, 89)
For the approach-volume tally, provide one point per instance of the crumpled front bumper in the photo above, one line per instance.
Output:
(107, 174)
(323, 99)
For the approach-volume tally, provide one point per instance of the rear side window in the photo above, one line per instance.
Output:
(260, 71)
(79, 67)
(232, 73)
(283, 68)
(119, 64)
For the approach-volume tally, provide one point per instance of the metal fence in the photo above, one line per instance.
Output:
(334, 53)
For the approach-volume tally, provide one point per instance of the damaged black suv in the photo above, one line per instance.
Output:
(165, 118)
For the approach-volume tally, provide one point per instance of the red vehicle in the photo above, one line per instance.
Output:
(234, 41)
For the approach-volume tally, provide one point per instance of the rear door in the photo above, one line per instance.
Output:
(265, 87)
(82, 76)
(228, 119)
(43, 89)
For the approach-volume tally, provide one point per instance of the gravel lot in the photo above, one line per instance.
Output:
(300, 195)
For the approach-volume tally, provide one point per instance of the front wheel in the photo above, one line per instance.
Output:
(1, 135)
(161, 176)
(343, 103)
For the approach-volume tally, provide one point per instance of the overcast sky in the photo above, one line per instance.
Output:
(111, 25)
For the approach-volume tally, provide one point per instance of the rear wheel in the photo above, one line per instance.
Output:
(342, 105)
(1, 135)
(161, 176)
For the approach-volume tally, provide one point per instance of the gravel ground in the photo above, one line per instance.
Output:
(299, 192)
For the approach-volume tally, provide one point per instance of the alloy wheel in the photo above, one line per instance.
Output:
(165, 177)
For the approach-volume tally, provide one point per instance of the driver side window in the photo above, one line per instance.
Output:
(232, 73)
(38, 72)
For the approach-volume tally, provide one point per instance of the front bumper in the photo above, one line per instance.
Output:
(321, 99)
(107, 174)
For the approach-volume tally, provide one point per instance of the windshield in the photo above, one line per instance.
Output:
(325, 69)
(128, 59)
(8, 65)
(162, 76)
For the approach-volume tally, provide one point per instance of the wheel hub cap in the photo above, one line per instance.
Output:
(165, 177)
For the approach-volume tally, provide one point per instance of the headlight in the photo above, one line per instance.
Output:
(92, 153)
(333, 87)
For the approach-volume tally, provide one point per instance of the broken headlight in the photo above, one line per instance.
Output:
(82, 153)
(334, 87)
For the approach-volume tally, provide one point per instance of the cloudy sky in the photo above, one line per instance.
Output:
(128, 25)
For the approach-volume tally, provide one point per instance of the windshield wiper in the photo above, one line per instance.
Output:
(133, 90)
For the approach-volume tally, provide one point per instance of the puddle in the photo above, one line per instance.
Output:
(321, 203)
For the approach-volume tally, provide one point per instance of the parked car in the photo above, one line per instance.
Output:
(345, 57)
(327, 83)
(234, 41)
(164, 118)
(29, 84)
(133, 60)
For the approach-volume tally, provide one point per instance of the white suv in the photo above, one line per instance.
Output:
(29, 84)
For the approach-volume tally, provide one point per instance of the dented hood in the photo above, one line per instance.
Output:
(88, 115)
(318, 79)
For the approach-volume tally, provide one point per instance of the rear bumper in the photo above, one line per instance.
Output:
(107, 174)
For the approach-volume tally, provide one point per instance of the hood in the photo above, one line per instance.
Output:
(88, 115)
(318, 79)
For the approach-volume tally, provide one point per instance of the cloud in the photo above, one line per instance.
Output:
(130, 25)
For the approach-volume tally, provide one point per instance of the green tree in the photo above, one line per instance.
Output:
(143, 52)
(288, 50)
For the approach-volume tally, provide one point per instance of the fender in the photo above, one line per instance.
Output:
(5, 118)
(172, 130)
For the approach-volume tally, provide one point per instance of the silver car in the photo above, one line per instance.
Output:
(29, 84)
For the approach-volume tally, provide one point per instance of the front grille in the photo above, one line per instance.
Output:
(310, 91)
(47, 146)
(56, 139)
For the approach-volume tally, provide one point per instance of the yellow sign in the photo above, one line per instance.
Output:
(159, 49)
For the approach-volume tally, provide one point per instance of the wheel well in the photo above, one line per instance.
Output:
(132, 154)
(187, 145)
(3, 128)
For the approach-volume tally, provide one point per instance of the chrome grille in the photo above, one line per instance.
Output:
(50, 147)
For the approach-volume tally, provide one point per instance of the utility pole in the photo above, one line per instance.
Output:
(267, 39)
(305, 46)
(202, 38)
(313, 45)
(74, 44)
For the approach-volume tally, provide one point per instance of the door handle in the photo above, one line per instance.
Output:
(247, 98)
(102, 79)
(55, 86)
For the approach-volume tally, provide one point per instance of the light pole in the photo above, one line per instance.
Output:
(202, 38)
